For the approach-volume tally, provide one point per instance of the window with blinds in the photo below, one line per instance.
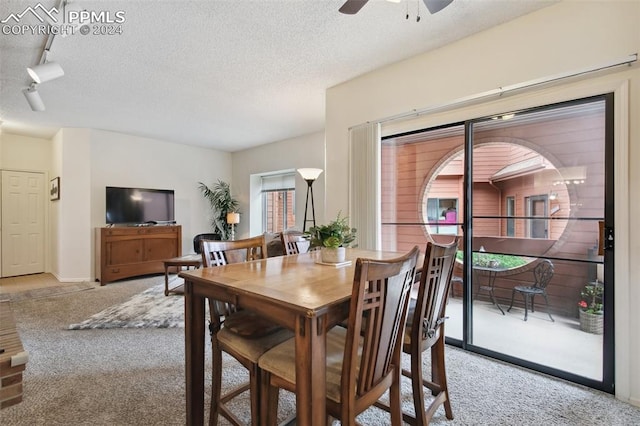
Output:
(278, 202)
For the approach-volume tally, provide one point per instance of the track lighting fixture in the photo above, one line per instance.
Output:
(45, 72)
(33, 97)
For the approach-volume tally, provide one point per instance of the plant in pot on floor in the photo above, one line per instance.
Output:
(221, 202)
(591, 308)
(332, 239)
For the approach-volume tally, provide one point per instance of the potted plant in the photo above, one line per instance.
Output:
(221, 202)
(332, 239)
(591, 308)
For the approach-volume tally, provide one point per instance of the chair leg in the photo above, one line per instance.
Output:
(269, 400)
(548, 312)
(395, 401)
(254, 391)
(533, 296)
(513, 294)
(216, 382)
(417, 383)
(440, 377)
(526, 306)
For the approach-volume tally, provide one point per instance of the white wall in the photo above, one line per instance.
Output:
(561, 38)
(290, 154)
(131, 161)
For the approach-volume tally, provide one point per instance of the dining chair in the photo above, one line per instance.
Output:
(293, 242)
(425, 330)
(197, 247)
(542, 274)
(363, 359)
(240, 333)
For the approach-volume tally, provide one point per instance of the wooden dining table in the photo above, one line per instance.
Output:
(294, 291)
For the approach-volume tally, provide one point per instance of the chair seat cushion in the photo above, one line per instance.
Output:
(281, 361)
(250, 325)
(251, 348)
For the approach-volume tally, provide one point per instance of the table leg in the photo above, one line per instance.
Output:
(166, 279)
(311, 365)
(194, 354)
(492, 280)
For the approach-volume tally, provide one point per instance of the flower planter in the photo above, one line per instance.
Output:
(332, 255)
(591, 323)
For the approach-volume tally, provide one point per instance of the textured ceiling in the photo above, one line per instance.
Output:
(222, 74)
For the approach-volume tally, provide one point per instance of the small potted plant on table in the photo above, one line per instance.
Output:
(332, 239)
(591, 308)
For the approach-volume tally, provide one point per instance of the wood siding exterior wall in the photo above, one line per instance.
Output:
(433, 168)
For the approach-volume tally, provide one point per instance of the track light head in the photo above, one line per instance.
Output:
(34, 99)
(45, 72)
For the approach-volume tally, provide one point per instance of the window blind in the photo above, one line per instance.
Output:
(280, 182)
(364, 185)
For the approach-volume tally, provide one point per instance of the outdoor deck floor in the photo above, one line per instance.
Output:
(560, 344)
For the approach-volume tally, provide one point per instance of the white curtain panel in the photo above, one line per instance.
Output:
(364, 185)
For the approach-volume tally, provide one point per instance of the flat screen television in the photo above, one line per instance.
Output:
(134, 206)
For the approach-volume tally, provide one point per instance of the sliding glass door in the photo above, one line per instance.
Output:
(528, 193)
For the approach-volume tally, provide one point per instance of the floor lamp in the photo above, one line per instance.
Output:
(233, 219)
(309, 175)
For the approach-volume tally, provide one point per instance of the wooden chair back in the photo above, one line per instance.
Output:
(379, 301)
(433, 293)
(217, 253)
(244, 334)
(425, 330)
(293, 242)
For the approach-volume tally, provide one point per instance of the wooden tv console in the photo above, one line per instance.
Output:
(124, 252)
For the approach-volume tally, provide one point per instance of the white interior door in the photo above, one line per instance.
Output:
(22, 223)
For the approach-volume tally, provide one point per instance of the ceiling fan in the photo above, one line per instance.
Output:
(351, 7)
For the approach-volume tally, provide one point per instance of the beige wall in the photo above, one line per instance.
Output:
(131, 161)
(24, 153)
(86, 161)
(70, 232)
(290, 154)
(562, 38)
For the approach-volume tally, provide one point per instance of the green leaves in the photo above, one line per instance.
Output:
(332, 241)
(336, 233)
(591, 296)
(221, 203)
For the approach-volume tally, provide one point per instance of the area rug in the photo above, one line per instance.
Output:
(149, 309)
(44, 292)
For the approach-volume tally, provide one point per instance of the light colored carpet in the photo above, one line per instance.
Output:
(135, 376)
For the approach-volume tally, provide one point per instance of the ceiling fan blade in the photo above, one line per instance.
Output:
(436, 6)
(351, 7)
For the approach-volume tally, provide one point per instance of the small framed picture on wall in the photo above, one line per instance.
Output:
(54, 189)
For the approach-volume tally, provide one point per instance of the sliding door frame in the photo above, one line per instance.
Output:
(607, 384)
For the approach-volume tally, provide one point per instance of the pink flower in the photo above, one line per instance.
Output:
(582, 304)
